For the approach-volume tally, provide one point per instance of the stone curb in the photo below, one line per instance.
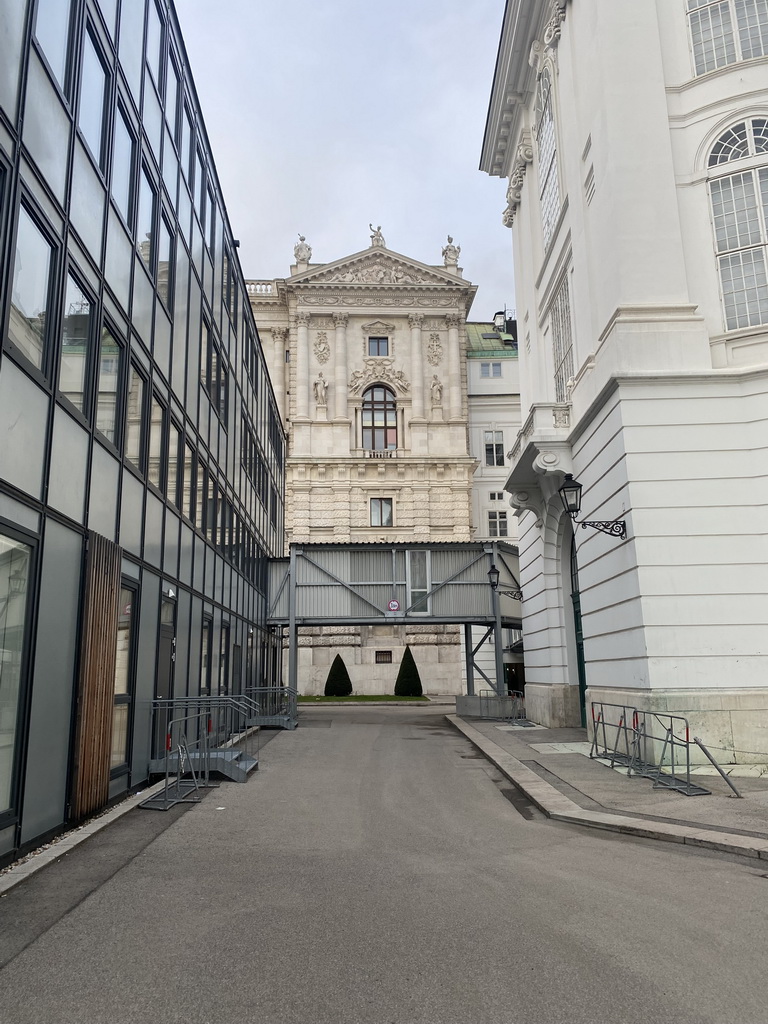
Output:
(555, 805)
(58, 848)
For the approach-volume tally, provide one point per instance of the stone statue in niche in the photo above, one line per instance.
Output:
(377, 239)
(451, 253)
(437, 390)
(320, 387)
(301, 251)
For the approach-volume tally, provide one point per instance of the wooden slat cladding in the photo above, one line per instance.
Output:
(93, 741)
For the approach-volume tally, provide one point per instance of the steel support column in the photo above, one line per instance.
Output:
(469, 657)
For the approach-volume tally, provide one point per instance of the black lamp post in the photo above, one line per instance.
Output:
(493, 579)
(570, 495)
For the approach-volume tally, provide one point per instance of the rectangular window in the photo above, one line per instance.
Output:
(726, 31)
(210, 511)
(418, 582)
(175, 470)
(31, 290)
(122, 166)
(75, 339)
(490, 369)
(157, 420)
(154, 42)
(145, 220)
(122, 688)
(497, 524)
(381, 511)
(164, 262)
(224, 661)
(52, 32)
(383, 657)
(172, 98)
(186, 144)
(15, 562)
(205, 656)
(93, 95)
(378, 346)
(189, 483)
(109, 381)
(562, 341)
(201, 496)
(496, 496)
(494, 447)
(134, 419)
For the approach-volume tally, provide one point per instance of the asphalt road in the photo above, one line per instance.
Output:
(376, 871)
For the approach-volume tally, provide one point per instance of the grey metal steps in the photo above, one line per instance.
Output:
(227, 761)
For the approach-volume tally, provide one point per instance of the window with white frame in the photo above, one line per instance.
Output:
(494, 447)
(546, 143)
(381, 511)
(490, 369)
(497, 524)
(562, 340)
(740, 221)
(727, 31)
(496, 496)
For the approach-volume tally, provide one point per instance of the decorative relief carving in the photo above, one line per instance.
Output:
(515, 189)
(279, 334)
(377, 328)
(526, 501)
(415, 319)
(322, 348)
(340, 319)
(561, 417)
(302, 319)
(453, 319)
(331, 299)
(434, 350)
(553, 31)
(378, 371)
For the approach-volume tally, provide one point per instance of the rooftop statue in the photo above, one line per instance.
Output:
(451, 253)
(301, 251)
(377, 239)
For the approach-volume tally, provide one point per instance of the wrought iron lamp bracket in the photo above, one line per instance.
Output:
(615, 528)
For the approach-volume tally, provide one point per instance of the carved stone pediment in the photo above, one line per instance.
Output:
(378, 328)
(378, 371)
(377, 267)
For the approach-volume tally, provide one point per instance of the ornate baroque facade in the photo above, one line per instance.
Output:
(368, 360)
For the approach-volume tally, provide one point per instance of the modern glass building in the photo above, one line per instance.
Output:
(141, 452)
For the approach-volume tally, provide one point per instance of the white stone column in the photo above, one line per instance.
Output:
(279, 338)
(454, 367)
(302, 366)
(340, 394)
(417, 367)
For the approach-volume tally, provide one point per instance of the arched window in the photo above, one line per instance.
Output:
(546, 142)
(726, 31)
(740, 219)
(379, 419)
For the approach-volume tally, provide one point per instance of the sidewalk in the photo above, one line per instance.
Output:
(567, 785)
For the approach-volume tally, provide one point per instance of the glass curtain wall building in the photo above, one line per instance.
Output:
(141, 453)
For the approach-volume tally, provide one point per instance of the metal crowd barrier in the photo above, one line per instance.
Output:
(195, 736)
(509, 708)
(648, 744)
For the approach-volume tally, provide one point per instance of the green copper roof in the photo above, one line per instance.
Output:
(485, 340)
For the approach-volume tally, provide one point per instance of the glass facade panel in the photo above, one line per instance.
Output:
(131, 42)
(14, 580)
(75, 335)
(156, 429)
(174, 445)
(30, 290)
(134, 418)
(93, 87)
(122, 167)
(154, 42)
(52, 32)
(164, 256)
(145, 220)
(123, 656)
(109, 378)
(418, 579)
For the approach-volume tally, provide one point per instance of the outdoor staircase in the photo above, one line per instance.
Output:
(227, 761)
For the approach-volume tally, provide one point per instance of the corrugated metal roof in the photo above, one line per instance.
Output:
(483, 339)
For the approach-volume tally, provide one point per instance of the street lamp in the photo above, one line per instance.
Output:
(570, 495)
(493, 579)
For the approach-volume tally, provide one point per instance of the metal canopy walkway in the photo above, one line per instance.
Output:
(396, 584)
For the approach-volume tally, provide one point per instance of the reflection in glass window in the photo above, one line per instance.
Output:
(75, 332)
(52, 32)
(122, 679)
(154, 42)
(134, 418)
(131, 39)
(174, 445)
(164, 256)
(145, 220)
(381, 511)
(93, 87)
(14, 580)
(418, 581)
(156, 429)
(30, 289)
(186, 144)
(171, 98)
(205, 656)
(188, 507)
(122, 167)
(211, 221)
(109, 377)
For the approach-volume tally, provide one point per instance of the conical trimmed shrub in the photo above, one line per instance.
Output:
(408, 683)
(338, 683)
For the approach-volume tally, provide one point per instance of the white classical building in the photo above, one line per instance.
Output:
(634, 137)
(367, 355)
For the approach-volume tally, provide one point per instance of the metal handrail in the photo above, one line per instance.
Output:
(241, 708)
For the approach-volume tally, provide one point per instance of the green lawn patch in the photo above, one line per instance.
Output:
(360, 698)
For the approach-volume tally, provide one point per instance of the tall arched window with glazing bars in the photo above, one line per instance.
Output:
(379, 419)
(740, 220)
(546, 143)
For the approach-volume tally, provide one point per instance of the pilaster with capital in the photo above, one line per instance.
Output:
(341, 410)
(417, 366)
(453, 320)
(279, 338)
(302, 365)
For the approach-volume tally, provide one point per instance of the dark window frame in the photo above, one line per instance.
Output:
(140, 468)
(158, 486)
(378, 342)
(123, 356)
(100, 158)
(90, 378)
(129, 697)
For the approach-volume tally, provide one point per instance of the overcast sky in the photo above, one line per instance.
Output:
(325, 115)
